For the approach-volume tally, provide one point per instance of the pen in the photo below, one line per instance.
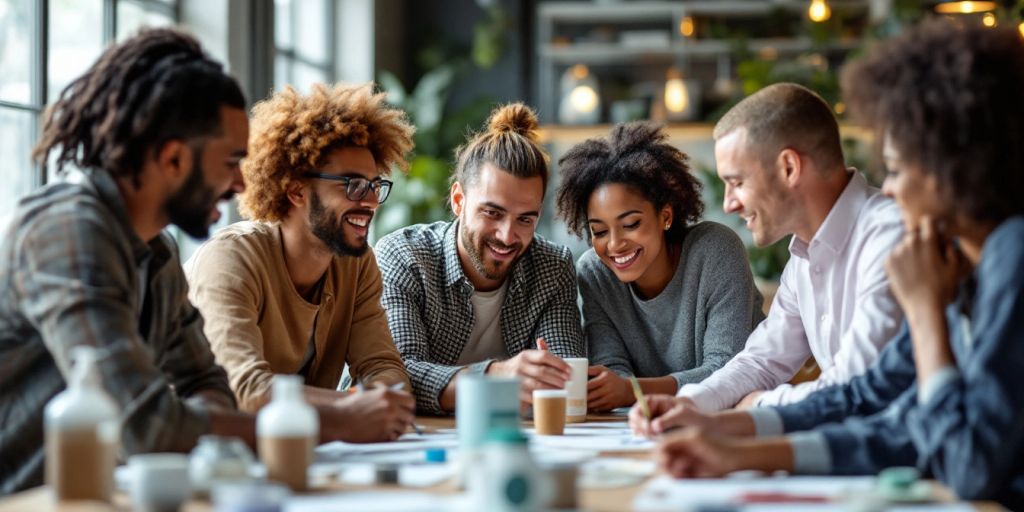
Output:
(398, 386)
(640, 399)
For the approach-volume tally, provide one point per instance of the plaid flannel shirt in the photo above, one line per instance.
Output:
(68, 277)
(427, 300)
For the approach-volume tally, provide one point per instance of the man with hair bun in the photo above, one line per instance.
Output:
(779, 154)
(296, 289)
(484, 293)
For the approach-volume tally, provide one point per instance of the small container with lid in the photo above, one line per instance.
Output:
(219, 459)
(287, 430)
(82, 426)
(510, 480)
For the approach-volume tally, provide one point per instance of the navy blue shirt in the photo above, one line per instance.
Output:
(968, 432)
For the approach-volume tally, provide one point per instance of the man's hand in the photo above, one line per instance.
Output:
(694, 453)
(381, 414)
(606, 390)
(538, 369)
(667, 412)
(750, 400)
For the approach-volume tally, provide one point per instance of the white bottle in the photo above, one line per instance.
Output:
(510, 481)
(82, 426)
(287, 430)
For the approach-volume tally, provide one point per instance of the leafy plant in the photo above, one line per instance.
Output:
(421, 195)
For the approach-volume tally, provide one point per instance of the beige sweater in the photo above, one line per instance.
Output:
(259, 325)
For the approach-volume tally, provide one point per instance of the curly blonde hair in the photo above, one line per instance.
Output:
(292, 134)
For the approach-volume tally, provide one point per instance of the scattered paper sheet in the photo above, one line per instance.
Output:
(385, 501)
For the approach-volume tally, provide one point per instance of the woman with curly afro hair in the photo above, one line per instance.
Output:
(666, 298)
(296, 290)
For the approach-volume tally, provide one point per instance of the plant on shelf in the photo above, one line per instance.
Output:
(421, 195)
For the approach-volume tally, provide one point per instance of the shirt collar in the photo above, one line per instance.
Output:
(835, 232)
(106, 188)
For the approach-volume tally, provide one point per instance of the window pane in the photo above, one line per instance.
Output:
(132, 16)
(311, 40)
(282, 72)
(16, 31)
(17, 173)
(76, 40)
(283, 24)
(305, 76)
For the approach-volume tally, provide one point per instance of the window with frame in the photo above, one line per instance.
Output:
(304, 43)
(44, 45)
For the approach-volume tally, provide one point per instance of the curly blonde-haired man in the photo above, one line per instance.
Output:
(296, 290)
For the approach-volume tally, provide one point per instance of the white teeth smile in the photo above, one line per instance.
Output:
(358, 221)
(501, 251)
(622, 260)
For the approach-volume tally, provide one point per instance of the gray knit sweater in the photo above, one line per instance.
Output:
(692, 328)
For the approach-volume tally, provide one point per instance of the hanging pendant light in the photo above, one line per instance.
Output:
(819, 11)
(964, 7)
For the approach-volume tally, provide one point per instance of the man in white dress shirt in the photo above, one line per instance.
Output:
(779, 154)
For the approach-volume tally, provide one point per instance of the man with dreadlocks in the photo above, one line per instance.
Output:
(156, 130)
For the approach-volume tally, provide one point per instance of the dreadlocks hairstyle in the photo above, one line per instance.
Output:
(152, 88)
(949, 97)
(636, 155)
(510, 142)
(293, 134)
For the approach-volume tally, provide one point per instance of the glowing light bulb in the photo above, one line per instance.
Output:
(1020, 28)
(687, 27)
(989, 19)
(583, 98)
(819, 11)
(964, 7)
(676, 96)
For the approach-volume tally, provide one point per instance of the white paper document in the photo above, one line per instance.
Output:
(389, 501)
(667, 494)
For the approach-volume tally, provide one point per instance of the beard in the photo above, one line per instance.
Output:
(476, 248)
(330, 229)
(189, 208)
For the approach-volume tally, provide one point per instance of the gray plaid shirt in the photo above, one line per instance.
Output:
(427, 300)
(68, 277)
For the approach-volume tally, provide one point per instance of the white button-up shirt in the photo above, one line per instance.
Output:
(833, 303)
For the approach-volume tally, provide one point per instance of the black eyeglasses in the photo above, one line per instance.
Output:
(356, 187)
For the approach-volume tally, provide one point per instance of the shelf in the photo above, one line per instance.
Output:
(627, 11)
(572, 134)
(611, 53)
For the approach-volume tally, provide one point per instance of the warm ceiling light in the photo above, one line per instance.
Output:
(989, 19)
(686, 27)
(1020, 28)
(677, 98)
(964, 7)
(819, 11)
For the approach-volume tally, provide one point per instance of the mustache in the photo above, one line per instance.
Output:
(500, 245)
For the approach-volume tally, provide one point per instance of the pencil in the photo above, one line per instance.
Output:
(640, 399)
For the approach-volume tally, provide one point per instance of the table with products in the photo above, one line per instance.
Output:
(613, 476)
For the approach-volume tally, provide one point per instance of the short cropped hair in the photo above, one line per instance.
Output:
(786, 115)
(950, 99)
(510, 142)
(639, 156)
(293, 134)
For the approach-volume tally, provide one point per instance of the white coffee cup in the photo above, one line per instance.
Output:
(159, 481)
(576, 407)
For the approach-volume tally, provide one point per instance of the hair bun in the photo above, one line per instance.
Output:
(514, 117)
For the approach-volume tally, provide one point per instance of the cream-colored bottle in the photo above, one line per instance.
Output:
(82, 426)
(287, 430)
